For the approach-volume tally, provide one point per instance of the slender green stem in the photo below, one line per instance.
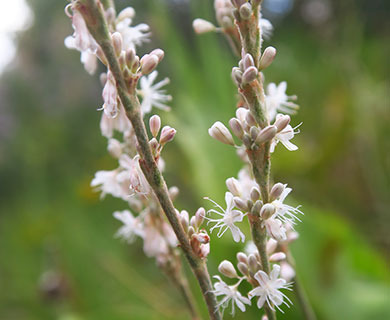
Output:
(97, 25)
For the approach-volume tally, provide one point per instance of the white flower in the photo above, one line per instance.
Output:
(277, 100)
(230, 293)
(87, 57)
(284, 137)
(120, 123)
(131, 228)
(107, 182)
(268, 289)
(110, 97)
(151, 93)
(266, 28)
(275, 229)
(132, 35)
(283, 211)
(228, 218)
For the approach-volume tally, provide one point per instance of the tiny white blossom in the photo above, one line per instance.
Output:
(152, 95)
(284, 137)
(132, 35)
(277, 100)
(120, 123)
(268, 289)
(107, 183)
(88, 57)
(131, 228)
(110, 97)
(275, 229)
(230, 293)
(283, 211)
(133, 175)
(228, 218)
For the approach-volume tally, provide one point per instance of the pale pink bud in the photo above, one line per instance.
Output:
(117, 42)
(148, 63)
(282, 121)
(278, 256)
(236, 127)
(173, 192)
(257, 207)
(246, 11)
(191, 231)
(240, 204)
(267, 211)
(114, 148)
(159, 53)
(204, 250)
(127, 13)
(227, 269)
(155, 125)
(276, 191)
(199, 216)
(242, 257)
(243, 268)
(110, 15)
(249, 75)
(136, 64)
(237, 75)
(248, 61)
(167, 134)
(219, 132)
(154, 144)
(193, 222)
(233, 186)
(252, 263)
(286, 271)
(238, 3)
(122, 60)
(241, 114)
(271, 245)
(254, 132)
(266, 134)
(255, 194)
(184, 217)
(202, 26)
(130, 57)
(267, 57)
(250, 120)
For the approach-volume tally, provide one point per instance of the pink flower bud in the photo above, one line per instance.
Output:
(267, 57)
(233, 186)
(267, 211)
(276, 191)
(167, 134)
(253, 264)
(278, 256)
(255, 194)
(266, 134)
(159, 53)
(130, 57)
(227, 269)
(219, 132)
(248, 61)
(117, 43)
(240, 204)
(148, 63)
(250, 120)
(236, 127)
(154, 125)
(249, 75)
(282, 121)
(246, 11)
(202, 26)
(242, 257)
(199, 216)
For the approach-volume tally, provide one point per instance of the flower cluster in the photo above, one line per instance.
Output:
(145, 218)
(261, 122)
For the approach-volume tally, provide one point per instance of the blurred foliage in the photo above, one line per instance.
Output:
(52, 226)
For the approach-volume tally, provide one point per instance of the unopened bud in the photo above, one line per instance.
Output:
(246, 11)
(276, 191)
(184, 223)
(282, 121)
(254, 132)
(278, 256)
(148, 63)
(242, 257)
(249, 75)
(167, 134)
(233, 186)
(267, 57)
(255, 194)
(250, 120)
(271, 246)
(127, 13)
(136, 64)
(117, 43)
(243, 268)
(114, 148)
(103, 78)
(227, 269)
(122, 60)
(199, 216)
(159, 53)
(219, 132)
(130, 57)
(193, 222)
(241, 114)
(191, 231)
(110, 15)
(252, 263)
(202, 26)
(266, 134)
(267, 211)
(155, 125)
(154, 144)
(240, 204)
(248, 61)
(256, 208)
(238, 3)
(236, 127)
(237, 75)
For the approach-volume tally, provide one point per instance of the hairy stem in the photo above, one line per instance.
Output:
(97, 25)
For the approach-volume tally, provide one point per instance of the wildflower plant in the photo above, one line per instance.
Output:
(262, 120)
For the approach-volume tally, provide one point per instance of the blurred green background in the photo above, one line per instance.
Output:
(334, 56)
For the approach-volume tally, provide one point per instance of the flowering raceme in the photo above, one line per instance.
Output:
(262, 120)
